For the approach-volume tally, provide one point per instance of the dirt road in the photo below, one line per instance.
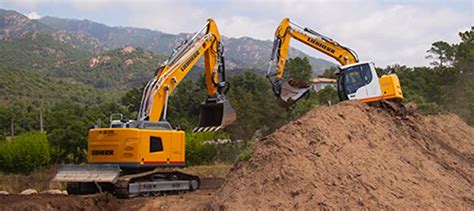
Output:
(107, 202)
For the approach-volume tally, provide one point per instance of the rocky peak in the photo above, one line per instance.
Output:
(13, 19)
(14, 24)
(127, 49)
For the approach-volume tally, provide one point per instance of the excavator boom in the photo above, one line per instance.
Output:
(216, 112)
(289, 92)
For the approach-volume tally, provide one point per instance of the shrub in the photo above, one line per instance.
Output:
(245, 155)
(198, 152)
(24, 153)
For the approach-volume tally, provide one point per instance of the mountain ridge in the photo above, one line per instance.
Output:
(242, 53)
(90, 54)
(255, 55)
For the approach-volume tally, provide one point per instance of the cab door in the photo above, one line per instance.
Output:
(354, 83)
(373, 85)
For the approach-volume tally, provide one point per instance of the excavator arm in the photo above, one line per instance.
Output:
(216, 112)
(289, 92)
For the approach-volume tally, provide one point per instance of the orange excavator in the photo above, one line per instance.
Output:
(355, 80)
(128, 157)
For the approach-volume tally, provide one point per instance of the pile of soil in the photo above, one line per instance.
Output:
(352, 155)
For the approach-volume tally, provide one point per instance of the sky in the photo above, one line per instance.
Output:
(385, 32)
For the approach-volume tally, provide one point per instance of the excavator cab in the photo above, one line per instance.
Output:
(359, 81)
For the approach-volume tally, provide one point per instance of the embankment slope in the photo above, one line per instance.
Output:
(352, 155)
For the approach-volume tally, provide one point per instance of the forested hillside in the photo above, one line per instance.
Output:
(79, 51)
(39, 52)
(242, 53)
(40, 90)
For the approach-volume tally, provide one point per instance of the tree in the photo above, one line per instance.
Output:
(184, 104)
(442, 53)
(329, 72)
(460, 94)
(68, 124)
(4, 122)
(257, 112)
(131, 100)
(298, 69)
(328, 95)
(24, 153)
(464, 52)
(67, 132)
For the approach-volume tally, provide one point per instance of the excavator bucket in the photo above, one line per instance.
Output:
(88, 173)
(215, 115)
(291, 92)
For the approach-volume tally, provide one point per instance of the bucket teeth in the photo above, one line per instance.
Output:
(206, 129)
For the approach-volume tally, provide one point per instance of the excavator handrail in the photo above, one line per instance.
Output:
(180, 49)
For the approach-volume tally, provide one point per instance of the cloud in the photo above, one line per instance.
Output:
(33, 15)
(167, 16)
(240, 26)
(91, 5)
(28, 4)
(385, 32)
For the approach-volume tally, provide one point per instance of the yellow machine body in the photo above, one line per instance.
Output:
(132, 147)
(390, 86)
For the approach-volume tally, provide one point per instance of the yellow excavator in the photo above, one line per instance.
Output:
(126, 157)
(355, 80)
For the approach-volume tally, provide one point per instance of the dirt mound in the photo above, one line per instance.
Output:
(354, 156)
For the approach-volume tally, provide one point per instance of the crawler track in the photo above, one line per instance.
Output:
(154, 183)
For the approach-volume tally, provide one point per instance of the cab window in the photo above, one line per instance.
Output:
(356, 77)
